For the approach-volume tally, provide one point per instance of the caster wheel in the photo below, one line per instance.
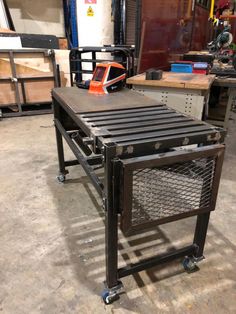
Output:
(61, 178)
(109, 298)
(189, 264)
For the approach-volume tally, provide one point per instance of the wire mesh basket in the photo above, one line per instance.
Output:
(167, 188)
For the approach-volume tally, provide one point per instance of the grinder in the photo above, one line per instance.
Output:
(108, 77)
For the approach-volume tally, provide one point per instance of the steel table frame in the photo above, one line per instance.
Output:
(108, 156)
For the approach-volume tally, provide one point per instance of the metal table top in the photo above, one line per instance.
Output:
(131, 121)
(81, 101)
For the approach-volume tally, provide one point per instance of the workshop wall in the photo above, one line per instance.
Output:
(38, 17)
(95, 25)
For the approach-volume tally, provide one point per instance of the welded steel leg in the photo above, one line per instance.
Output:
(60, 152)
(113, 286)
(111, 248)
(190, 261)
(111, 232)
(202, 221)
(60, 149)
(201, 232)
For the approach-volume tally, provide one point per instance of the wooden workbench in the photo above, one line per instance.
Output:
(175, 80)
(185, 92)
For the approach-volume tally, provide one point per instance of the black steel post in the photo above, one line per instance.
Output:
(60, 149)
(94, 58)
(111, 224)
(201, 232)
(202, 219)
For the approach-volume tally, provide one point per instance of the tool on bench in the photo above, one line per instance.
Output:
(223, 40)
(154, 74)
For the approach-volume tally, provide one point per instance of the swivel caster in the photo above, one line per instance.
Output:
(61, 178)
(190, 264)
(109, 297)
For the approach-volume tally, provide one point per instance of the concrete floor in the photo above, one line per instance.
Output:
(52, 238)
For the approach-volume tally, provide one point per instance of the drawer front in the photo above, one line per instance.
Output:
(165, 187)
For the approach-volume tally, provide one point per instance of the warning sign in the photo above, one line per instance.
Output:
(90, 11)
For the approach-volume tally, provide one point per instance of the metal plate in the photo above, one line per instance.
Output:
(81, 101)
(133, 123)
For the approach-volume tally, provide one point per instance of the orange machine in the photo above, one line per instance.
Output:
(108, 77)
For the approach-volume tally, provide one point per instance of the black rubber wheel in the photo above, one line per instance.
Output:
(189, 264)
(61, 178)
(108, 298)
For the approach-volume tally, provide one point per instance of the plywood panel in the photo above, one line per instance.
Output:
(7, 94)
(62, 59)
(21, 70)
(34, 61)
(5, 68)
(38, 91)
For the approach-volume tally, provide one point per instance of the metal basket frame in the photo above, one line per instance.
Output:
(129, 166)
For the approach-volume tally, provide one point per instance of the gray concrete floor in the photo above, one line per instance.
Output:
(52, 238)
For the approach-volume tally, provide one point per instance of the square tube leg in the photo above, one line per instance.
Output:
(60, 152)
(200, 233)
(111, 228)
(111, 234)
(201, 224)
(60, 148)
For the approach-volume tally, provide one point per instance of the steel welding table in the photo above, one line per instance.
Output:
(149, 178)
